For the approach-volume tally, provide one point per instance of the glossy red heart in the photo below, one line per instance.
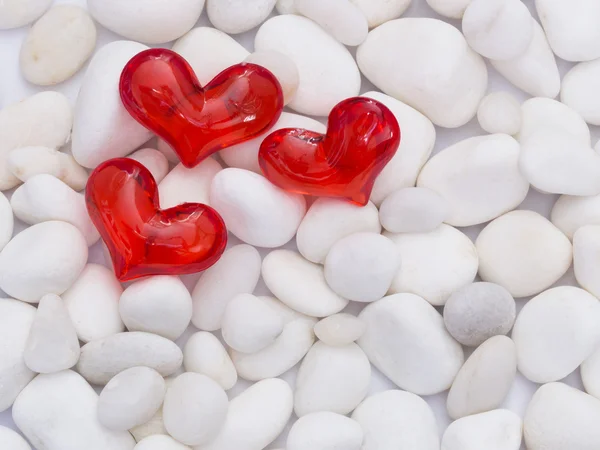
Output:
(160, 90)
(122, 201)
(362, 137)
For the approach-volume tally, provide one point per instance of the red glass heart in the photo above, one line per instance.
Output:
(160, 90)
(362, 137)
(122, 201)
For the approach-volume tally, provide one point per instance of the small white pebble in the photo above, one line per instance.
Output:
(499, 112)
(159, 443)
(203, 353)
(453, 9)
(16, 13)
(12, 440)
(325, 431)
(183, 185)
(339, 329)
(282, 67)
(154, 161)
(413, 210)
(238, 16)
(381, 11)
(7, 221)
(586, 258)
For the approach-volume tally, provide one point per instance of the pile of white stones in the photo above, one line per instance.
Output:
(397, 287)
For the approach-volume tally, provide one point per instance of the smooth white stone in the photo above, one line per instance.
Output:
(397, 419)
(555, 332)
(499, 112)
(485, 379)
(309, 46)
(203, 353)
(183, 185)
(340, 329)
(498, 29)
(154, 427)
(154, 161)
(238, 16)
(570, 213)
(361, 266)
(167, 151)
(453, 9)
(93, 303)
(16, 319)
(58, 411)
(147, 21)
(434, 264)
(381, 11)
(44, 197)
(325, 431)
(48, 113)
(131, 398)
(245, 155)
(406, 340)
(237, 272)
(282, 67)
(560, 417)
(535, 71)
(195, 409)
(329, 220)
(581, 90)
(523, 252)
(479, 311)
(500, 429)
(44, 259)
(590, 374)
(255, 417)
(586, 258)
(101, 360)
(300, 284)
(413, 210)
(7, 221)
(26, 162)
(479, 177)
(286, 7)
(416, 144)
(438, 75)
(57, 45)
(255, 210)
(12, 440)
(16, 13)
(250, 324)
(160, 443)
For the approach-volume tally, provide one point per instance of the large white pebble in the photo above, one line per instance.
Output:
(361, 266)
(523, 252)
(581, 90)
(102, 359)
(498, 29)
(586, 258)
(93, 303)
(151, 22)
(43, 119)
(325, 431)
(413, 210)
(572, 212)
(499, 112)
(237, 16)
(57, 45)
(255, 417)
(203, 353)
(560, 417)
(43, 259)
(535, 71)
(158, 304)
(590, 374)
(485, 379)
(131, 398)
(405, 338)
(182, 184)
(500, 429)
(44, 197)
(339, 329)
(300, 284)
(12, 440)
(16, 13)
(329, 220)
(153, 160)
(434, 264)
(438, 75)
(195, 409)
(255, 210)
(160, 442)
(282, 67)
(397, 419)
(478, 177)
(59, 412)
(16, 319)
(555, 331)
(381, 11)
(7, 221)
(237, 272)
(309, 46)
(103, 129)
(453, 9)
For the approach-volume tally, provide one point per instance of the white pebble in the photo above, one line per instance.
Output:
(238, 16)
(590, 374)
(12, 440)
(523, 252)
(17, 13)
(586, 258)
(581, 91)
(101, 360)
(203, 353)
(57, 45)
(154, 427)
(339, 329)
(395, 419)
(406, 340)
(7, 221)
(381, 11)
(183, 185)
(434, 264)
(498, 29)
(286, 7)
(154, 161)
(571, 212)
(413, 210)
(44, 259)
(439, 74)
(255, 210)
(499, 112)
(237, 272)
(325, 431)
(485, 379)
(309, 46)
(58, 411)
(282, 67)
(131, 398)
(453, 9)
(160, 443)
(479, 177)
